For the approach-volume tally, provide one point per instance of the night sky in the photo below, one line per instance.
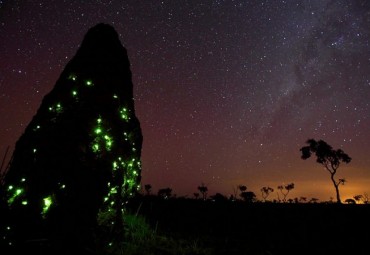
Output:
(226, 92)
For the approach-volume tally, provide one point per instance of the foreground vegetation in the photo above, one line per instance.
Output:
(190, 226)
(155, 225)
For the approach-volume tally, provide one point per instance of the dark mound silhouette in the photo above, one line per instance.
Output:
(78, 160)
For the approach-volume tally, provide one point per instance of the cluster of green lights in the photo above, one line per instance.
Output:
(113, 190)
(14, 193)
(131, 175)
(124, 114)
(101, 137)
(118, 163)
(56, 108)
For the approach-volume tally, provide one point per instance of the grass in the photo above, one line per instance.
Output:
(141, 238)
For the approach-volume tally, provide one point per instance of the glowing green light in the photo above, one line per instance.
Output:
(23, 180)
(113, 190)
(99, 120)
(115, 96)
(47, 203)
(109, 145)
(24, 202)
(8, 228)
(95, 147)
(74, 93)
(63, 186)
(34, 150)
(89, 83)
(98, 130)
(106, 199)
(72, 77)
(59, 108)
(15, 195)
(10, 187)
(108, 141)
(115, 165)
(124, 114)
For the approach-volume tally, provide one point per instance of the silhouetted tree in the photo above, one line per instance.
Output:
(329, 158)
(302, 199)
(165, 193)
(235, 191)
(313, 200)
(242, 188)
(148, 189)
(350, 201)
(284, 190)
(266, 192)
(248, 196)
(218, 197)
(365, 198)
(362, 198)
(203, 189)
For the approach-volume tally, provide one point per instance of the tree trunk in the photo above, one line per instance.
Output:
(336, 189)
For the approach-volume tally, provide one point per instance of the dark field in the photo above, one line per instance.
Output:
(227, 227)
(157, 226)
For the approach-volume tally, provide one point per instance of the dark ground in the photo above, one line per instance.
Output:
(237, 228)
(228, 228)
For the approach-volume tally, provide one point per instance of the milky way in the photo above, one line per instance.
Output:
(227, 92)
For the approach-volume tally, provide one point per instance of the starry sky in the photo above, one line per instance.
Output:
(226, 91)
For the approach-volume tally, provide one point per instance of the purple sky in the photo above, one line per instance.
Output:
(227, 92)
